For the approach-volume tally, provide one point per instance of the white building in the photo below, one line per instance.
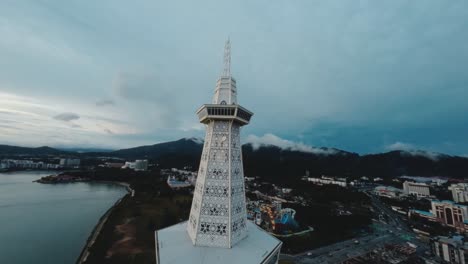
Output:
(141, 165)
(451, 250)
(416, 188)
(138, 165)
(327, 181)
(450, 213)
(218, 230)
(26, 164)
(70, 163)
(459, 192)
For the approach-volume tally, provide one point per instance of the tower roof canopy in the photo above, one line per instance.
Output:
(173, 246)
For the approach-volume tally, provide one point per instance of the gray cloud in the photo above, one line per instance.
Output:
(108, 131)
(375, 70)
(146, 90)
(105, 102)
(67, 117)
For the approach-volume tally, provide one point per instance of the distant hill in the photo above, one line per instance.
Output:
(282, 165)
(86, 150)
(275, 163)
(13, 150)
(183, 146)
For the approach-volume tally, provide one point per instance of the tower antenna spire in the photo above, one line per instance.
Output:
(227, 58)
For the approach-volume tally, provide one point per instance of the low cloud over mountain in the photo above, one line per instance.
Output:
(272, 140)
(412, 150)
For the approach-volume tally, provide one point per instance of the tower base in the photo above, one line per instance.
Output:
(174, 246)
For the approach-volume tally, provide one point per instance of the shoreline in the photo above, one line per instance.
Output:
(102, 221)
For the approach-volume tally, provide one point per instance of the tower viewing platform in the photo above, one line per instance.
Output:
(211, 112)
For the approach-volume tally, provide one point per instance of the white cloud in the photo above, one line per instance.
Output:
(412, 150)
(196, 140)
(400, 146)
(272, 140)
(30, 121)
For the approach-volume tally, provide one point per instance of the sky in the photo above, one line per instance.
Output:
(363, 76)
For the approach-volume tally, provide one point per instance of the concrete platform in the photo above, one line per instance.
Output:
(173, 246)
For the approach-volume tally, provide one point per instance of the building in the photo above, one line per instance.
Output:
(388, 191)
(141, 165)
(26, 164)
(327, 181)
(416, 188)
(115, 165)
(451, 250)
(459, 192)
(447, 213)
(138, 165)
(277, 205)
(217, 230)
(70, 163)
(177, 184)
(423, 214)
(450, 213)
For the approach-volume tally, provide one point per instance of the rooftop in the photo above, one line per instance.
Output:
(174, 246)
(426, 213)
(448, 202)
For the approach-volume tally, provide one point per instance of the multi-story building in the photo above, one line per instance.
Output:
(450, 213)
(459, 192)
(327, 181)
(70, 163)
(451, 250)
(26, 164)
(138, 165)
(416, 188)
(447, 213)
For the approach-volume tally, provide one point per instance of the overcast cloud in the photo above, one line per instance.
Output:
(355, 75)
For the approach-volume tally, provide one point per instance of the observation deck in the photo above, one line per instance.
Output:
(209, 112)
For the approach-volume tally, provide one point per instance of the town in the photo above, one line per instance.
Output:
(406, 219)
(411, 219)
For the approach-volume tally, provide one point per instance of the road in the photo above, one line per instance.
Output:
(392, 230)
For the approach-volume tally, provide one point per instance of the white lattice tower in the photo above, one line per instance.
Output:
(218, 215)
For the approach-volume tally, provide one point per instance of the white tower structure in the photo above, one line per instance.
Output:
(218, 216)
(217, 230)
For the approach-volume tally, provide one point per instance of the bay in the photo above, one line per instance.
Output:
(49, 223)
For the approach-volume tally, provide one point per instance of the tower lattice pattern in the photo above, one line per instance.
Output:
(218, 215)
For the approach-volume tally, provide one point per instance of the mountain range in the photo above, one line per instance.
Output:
(277, 163)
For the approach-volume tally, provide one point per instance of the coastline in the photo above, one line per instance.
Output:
(102, 221)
